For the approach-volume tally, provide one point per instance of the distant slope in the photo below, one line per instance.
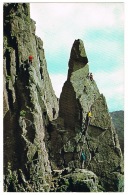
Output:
(118, 120)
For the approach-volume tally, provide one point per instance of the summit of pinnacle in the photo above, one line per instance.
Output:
(78, 57)
(78, 52)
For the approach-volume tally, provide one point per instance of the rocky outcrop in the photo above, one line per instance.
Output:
(42, 138)
(79, 180)
(29, 101)
(99, 139)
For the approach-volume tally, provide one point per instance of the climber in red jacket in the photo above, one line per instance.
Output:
(30, 59)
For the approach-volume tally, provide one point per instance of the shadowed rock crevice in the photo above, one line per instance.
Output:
(71, 113)
(8, 62)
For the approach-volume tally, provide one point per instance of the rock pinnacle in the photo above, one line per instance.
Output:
(78, 57)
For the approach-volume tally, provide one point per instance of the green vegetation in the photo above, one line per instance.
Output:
(8, 77)
(22, 113)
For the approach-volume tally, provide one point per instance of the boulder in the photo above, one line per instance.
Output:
(79, 180)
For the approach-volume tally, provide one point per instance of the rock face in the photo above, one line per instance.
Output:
(41, 136)
(118, 120)
(99, 139)
(79, 180)
(28, 102)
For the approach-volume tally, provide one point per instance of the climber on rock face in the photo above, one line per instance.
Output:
(91, 77)
(30, 59)
(82, 158)
(89, 116)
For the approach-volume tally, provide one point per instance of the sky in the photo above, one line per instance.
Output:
(101, 27)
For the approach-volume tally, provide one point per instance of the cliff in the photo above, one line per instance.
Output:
(28, 102)
(43, 137)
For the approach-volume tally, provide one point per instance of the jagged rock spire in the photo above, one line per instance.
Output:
(78, 57)
(99, 140)
(78, 52)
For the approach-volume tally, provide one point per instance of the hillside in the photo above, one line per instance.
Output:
(118, 120)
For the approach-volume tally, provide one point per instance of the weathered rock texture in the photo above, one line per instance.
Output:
(37, 140)
(99, 139)
(78, 180)
(28, 102)
(118, 120)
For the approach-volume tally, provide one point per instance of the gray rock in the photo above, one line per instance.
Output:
(39, 135)
(79, 180)
(99, 140)
(29, 100)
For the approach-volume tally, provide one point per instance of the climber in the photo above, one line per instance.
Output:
(89, 116)
(82, 158)
(30, 59)
(91, 77)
